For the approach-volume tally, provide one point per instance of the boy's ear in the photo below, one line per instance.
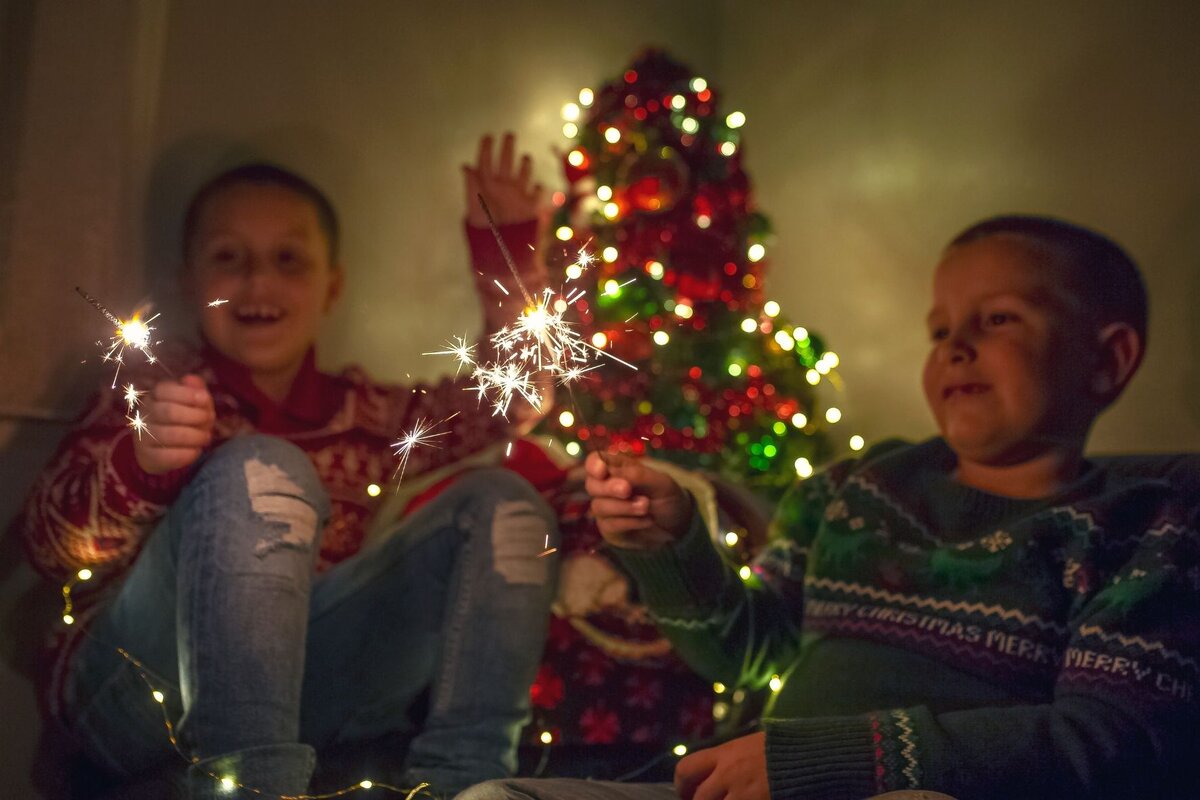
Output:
(1120, 350)
(334, 292)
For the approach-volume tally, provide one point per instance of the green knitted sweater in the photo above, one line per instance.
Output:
(934, 636)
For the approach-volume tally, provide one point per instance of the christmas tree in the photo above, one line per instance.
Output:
(723, 382)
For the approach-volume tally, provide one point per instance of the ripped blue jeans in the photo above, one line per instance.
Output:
(262, 664)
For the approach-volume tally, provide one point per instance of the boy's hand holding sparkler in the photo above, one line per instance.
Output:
(180, 417)
(636, 507)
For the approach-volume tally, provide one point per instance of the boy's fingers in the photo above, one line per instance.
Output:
(611, 507)
(471, 178)
(168, 413)
(506, 156)
(691, 771)
(526, 170)
(172, 392)
(609, 487)
(596, 466)
(483, 163)
(174, 436)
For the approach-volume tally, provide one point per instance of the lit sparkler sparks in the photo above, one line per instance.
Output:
(132, 396)
(131, 333)
(457, 347)
(139, 425)
(420, 435)
(218, 302)
(539, 342)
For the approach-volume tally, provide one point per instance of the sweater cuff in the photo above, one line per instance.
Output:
(485, 253)
(841, 757)
(682, 579)
(158, 489)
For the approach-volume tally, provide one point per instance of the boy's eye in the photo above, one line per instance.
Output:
(937, 334)
(999, 318)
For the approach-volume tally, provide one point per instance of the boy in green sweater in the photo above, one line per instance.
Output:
(985, 614)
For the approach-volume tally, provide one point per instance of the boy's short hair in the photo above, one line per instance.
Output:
(261, 173)
(1109, 279)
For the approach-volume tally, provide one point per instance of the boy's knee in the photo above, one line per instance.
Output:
(499, 484)
(518, 523)
(281, 487)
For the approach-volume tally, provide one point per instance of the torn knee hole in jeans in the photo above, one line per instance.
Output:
(518, 541)
(279, 502)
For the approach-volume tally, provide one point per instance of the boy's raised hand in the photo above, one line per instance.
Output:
(179, 419)
(635, 506)
(506, 185)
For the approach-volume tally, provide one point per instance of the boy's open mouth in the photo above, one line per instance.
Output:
(963, 389)
(258, 314)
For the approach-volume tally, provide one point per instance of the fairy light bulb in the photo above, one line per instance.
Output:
(731, 538)
(749, 325)
(735, 369)
(756, 252)
(365, 784)
(574, 272)
(656, 270)
(771, 308)
(605, 193)
(804, 467)
(690, 125)
(799, 420)
(573, 448)
(566, 419)
(586, 97)
(736, 120)
(564, 233)
(599, 339)
(609, 254)
(84, 574)
(833, 415)
(612, 135)
(745, 572)
(784, 340)
(158, 696)
(683, 311)
(727, 149)
(570, 130)
(776, 683)
(547, 737)
(799, 334)
(570, 112)
(699, 84)
(857, 442)
(661, 338)
(373, 490)
(813, 377)
(575, 158)
(611, 287)
(611, 210)
(678, 102)
(680, 750)
(228, 784)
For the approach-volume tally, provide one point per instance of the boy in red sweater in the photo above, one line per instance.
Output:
(228, 543)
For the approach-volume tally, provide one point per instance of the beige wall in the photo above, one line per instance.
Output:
(876, 130)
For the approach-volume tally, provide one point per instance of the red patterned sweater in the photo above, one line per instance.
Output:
(607, 677)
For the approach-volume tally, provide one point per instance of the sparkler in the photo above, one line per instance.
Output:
(420, 435)
(130, 333)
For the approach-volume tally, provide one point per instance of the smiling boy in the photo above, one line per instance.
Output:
(202, 534)
(985, 614)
